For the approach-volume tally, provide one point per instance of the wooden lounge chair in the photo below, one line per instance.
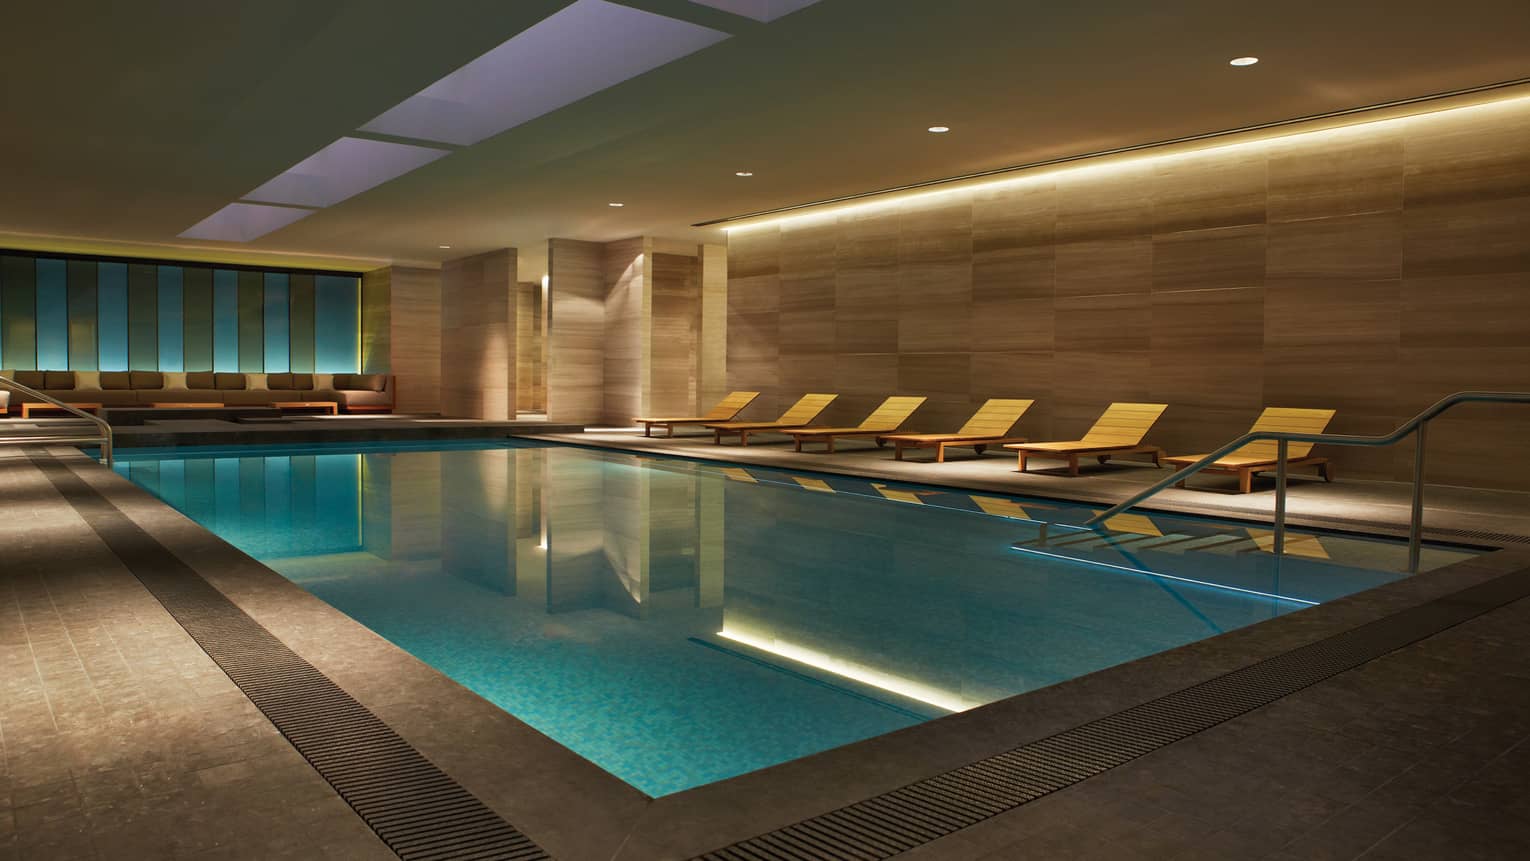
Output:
(725, 410)
(1262, 455)
(801, 414)
(990, 425)
(885, 419)
(1118, 431)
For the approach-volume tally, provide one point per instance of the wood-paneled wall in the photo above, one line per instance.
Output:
(628, 267)
(1371, 269)
(676, 330)
(414, 297)
(575, 330)
(530, 376)
(478, 336)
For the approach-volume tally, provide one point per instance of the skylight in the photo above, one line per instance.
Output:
(343, 169)
(759, 10)
(576, 52)
(242, 222)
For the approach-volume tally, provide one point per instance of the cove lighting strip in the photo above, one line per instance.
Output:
(1145, 573)
(855, 672)
(832, 208)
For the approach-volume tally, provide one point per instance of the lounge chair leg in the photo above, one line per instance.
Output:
(829, 445)
(1073, 464)
(1181, 482)
(1103, 459)
(940, 452)
(743, 439)
(881, 442)
(798, 441)
(646, 429)
(1022, 461)
(716, 437)
(980, 448)
(898, 451)
(1245, 480)
(1326, 470)
(669, 431)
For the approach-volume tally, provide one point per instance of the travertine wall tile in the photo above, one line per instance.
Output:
(1369, 269)
(478, 336)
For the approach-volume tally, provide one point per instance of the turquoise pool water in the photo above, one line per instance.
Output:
(678, 622)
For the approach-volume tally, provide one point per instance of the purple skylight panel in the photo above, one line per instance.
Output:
(759, 10)
(242, 222)
(576, 52)
(343, 169)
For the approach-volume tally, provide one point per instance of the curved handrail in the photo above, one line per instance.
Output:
(1395, 436)
(106, 429)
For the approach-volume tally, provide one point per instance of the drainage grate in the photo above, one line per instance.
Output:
(1479, 535)
(417, 810)
(929, 809)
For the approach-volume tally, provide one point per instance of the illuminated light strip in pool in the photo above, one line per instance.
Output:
(844, 669)
(1177, 578)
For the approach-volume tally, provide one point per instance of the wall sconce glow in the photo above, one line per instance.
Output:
(1243, 61)
(743, 173)
(544, 282)
(617, 205)
(938, 130)
(856, 672)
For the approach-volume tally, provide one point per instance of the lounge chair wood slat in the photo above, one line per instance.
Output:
(883, 420)
(725, 409)
(1119, 430)
(991, 425)
(1264, 455)
(797, 415)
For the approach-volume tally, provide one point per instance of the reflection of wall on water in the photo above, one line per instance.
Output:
(272, 506)
(937, 597)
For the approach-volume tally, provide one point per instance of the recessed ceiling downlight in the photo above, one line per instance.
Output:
(743, 173)
(1243, 61)
(618, 205)
(939, 130)
(443, 246)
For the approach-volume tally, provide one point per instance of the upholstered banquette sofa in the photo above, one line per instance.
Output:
(351, 392)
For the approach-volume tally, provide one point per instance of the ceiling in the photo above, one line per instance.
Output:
(127, 127)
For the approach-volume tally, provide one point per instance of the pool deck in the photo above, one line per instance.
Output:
(122, 738)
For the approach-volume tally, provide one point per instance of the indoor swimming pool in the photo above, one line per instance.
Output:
(679, 622)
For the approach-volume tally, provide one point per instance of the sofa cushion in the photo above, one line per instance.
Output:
(61, 380)
(289, 382)
(201, 380)
(115, 380)
(31, 379)
(361, 382)
(228, 381)
(363, 398)
(148, 379)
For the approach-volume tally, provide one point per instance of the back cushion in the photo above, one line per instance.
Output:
(229, 381)
(148, 380)
(31, 379)
(362, 382)
(200, 380)
(115, 380)
(279, 382)
(59, 379)
(342, 381)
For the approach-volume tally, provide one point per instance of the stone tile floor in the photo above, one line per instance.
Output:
(120, 738)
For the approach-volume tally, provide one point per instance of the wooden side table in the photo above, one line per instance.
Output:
(331, 407)
(28, 409)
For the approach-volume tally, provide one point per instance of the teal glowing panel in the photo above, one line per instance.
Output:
(337, 324)
(197, 312)
(278, 360)
(252, 312)
(143, 317)
(301, 323)
(18, 313)
(112, 316)
(83, 309)
(225, 320)
(172, 320)
(52, 314)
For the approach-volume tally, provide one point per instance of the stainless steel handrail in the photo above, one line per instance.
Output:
(100, 423)
(1418, 424)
